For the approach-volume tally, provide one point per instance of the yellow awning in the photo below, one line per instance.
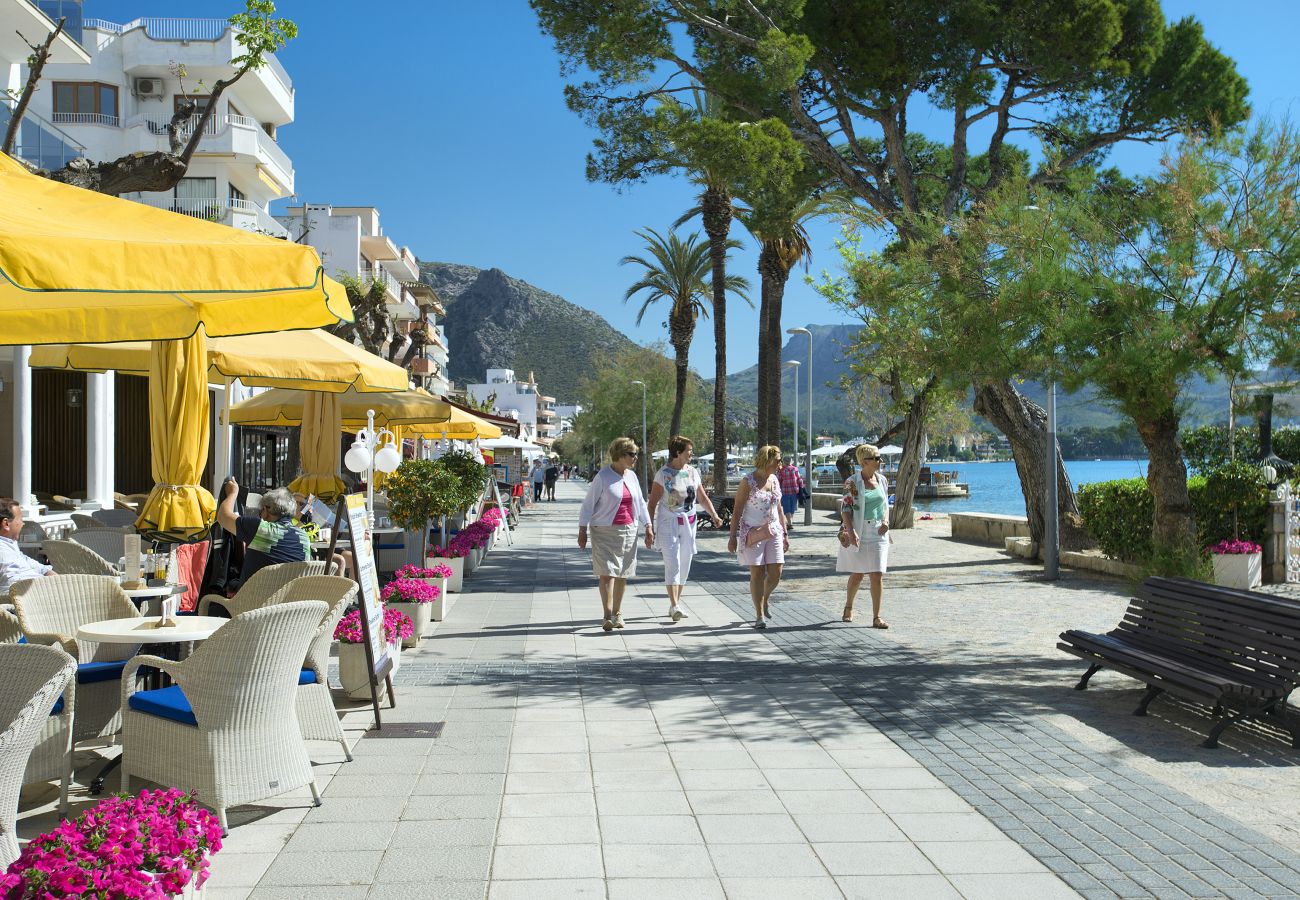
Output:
(285, 407)
(462, 426)
(76, 265)
(311, 360)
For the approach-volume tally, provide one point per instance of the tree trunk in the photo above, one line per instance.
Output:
(1025, 425)
(774, 274)
(681, 332)
(909, 466)
(761, 427)
(1173, 527)
(716, 205)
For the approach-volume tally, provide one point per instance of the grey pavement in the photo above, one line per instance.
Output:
(946, 757)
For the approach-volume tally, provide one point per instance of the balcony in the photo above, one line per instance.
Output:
(422, 366)
(65, 118)
(380, 275)
(238, 136)
(40, 143)
(242, 214)
(377, 247)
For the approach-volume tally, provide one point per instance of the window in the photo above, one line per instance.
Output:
(201, 102)
(64, 9)
(85, 103)
(236, 196)
(198, 197)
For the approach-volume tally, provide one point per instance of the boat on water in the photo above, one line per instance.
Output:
(931, 484)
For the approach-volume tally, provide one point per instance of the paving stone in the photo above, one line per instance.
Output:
(880, 858)
(891, 887)
(657, 861)
(534, 861)
(659, 888)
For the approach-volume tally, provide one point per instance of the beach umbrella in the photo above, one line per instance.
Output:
(281, 406)
(509, 443)
(889, 450)
(462, 425)
(318, 445)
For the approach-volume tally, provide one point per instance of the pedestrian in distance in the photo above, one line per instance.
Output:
(791, 485)
(611, 512)
(552, 476)
(864, 532)
(763, 538)
(674, 496)
(538, 477)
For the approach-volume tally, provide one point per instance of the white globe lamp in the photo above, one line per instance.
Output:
(357, 459)
(387, 459)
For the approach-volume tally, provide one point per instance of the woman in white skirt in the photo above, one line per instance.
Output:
(676, 494)
(612, 511)
(864, 541)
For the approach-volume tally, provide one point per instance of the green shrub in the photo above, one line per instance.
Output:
(1118, 514)
(1206, 447)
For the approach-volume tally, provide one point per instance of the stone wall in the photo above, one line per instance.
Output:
(988, 528)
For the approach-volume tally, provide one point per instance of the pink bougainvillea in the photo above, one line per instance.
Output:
(397, 627)
(1230, 548)
(143, 847)
(410, 590)
(414, 571)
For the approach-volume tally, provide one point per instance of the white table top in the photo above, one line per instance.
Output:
(162, 590)
(142, 630)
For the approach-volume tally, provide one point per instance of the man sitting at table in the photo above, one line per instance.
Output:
(271, 536)
(15, 566)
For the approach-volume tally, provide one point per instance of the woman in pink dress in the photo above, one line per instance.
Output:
(760, 530)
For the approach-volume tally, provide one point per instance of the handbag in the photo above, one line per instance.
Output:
(758, 534)
(844, 539)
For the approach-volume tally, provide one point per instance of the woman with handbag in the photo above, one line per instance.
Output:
(864, 534)
(674, 498)
(613, 509)
(763, 530)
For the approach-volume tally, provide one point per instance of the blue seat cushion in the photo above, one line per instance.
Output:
(92, 672)
(58, 706)
(307, 676)
(166, 703)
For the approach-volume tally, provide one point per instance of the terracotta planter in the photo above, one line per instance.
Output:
(354, 675)
(1238, 570)
(421, 615)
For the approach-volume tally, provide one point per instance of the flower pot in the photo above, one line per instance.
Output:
(354, 674)
(472, 561)
(1238, 570)
(439, 608)
(457, 567)
(421, 615)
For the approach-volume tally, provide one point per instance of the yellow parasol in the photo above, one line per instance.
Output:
(318, 440)
(285, 407)
(311, 360)
(463, 426)
(76, 265)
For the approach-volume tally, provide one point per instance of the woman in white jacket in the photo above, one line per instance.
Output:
(613, 509)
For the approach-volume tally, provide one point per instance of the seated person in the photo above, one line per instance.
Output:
(15, 566)
(313, 510)
(271, 536)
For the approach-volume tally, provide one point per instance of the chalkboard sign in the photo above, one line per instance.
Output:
(353, 508)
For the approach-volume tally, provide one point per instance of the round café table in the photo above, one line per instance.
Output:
(142, 631)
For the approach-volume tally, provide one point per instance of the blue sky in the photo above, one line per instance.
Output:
(449, 117)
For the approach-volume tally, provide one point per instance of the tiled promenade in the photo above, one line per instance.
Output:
(708, 760)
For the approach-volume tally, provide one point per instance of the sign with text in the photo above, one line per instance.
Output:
(372, 610)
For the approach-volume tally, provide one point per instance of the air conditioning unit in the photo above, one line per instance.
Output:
(148, 87)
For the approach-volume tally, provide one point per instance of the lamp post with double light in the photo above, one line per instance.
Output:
(807, 474)
(369, 453)
(645, 451)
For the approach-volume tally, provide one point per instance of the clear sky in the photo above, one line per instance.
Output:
(449, 117)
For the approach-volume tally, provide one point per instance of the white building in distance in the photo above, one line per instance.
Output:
(139, 74)
(520, 400)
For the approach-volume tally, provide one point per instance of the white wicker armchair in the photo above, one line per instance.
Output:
(226, 728)
(71, 558)
(50, 610)
(31, 679)
(257, 592)
(107, 543)
(10, 630)
(317, 717)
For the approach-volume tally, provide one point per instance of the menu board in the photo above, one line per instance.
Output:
(131, 560)
(372, 611)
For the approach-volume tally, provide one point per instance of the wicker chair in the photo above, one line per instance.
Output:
(226, 727)
(257, 592)
(108, 543)
(10, 630)
(316, 714)
(114, 518)
(32, 531)
(32, 678)
(71, 558)
(50, 610)
(85, 520)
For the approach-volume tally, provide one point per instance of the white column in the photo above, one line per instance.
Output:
(100, 432)
(22, 430)
(221, 466)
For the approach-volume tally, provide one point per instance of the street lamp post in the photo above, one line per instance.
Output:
(370, 452)
(807, 474)
(793, 365)
(645, 451)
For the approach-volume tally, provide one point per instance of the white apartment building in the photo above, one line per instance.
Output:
(351, 241)
(122, 102)
(520, 400)
(565, 414)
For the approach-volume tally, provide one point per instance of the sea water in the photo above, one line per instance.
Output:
(995, 488)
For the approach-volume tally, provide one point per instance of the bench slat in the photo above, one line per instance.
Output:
(1238, 667)
(1240, 645)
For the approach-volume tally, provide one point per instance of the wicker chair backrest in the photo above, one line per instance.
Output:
(245, 675)
(60, 604)
(32, 531)
(338, 593)
(114, 518)
(10, 630)
(71, 558)
(108, 543)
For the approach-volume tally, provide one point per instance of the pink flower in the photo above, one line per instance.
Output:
(410, 590)
(397, 626)
(1232, 548)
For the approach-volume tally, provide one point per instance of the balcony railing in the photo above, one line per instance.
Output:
(215, 210)
(379, 274)
(39, 142)
(218, 125)
(67, 118)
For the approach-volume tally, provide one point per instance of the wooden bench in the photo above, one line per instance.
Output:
(1236, 651)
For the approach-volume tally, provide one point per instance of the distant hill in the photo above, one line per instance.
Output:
(495, 321)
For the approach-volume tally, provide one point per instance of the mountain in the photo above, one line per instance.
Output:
(495, 321)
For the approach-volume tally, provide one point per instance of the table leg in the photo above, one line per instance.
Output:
(97, 783)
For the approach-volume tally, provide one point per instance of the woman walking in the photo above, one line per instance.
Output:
(613, 508)
(864, 535)
(763, 528)
(673, 499)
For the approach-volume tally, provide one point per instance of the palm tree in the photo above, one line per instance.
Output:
(680, 272)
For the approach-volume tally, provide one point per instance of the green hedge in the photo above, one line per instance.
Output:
(1205, 448)
(1118, 514)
